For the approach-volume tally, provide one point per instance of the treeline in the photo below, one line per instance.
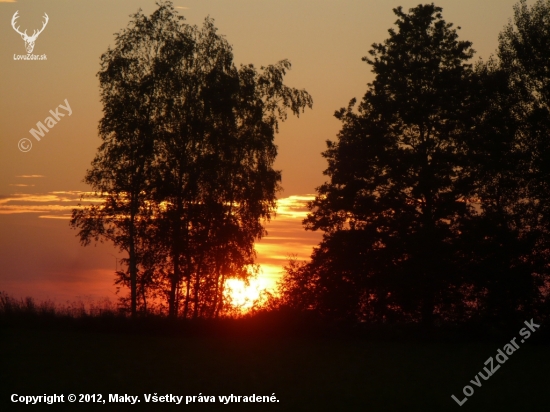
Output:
(184, 174)
(437, 206)
(436, 209)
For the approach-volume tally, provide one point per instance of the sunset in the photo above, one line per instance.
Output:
(321, 205)
(41, 256)
(87, 273)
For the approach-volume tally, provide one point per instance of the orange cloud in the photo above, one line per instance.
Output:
(28, 176)
(286, 237)
(56, 204)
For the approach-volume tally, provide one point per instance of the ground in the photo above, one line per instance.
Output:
(307, 374)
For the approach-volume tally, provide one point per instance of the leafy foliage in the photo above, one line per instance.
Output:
(398, 177)
(436, 207)
(186, 164)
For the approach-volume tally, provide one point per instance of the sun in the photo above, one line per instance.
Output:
(243, 296)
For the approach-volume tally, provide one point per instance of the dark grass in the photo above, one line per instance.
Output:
(310, 366)
(306, 374)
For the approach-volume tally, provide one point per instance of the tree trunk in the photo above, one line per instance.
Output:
(196, 289)
(176, 275)
(133, 267)
(187, 297)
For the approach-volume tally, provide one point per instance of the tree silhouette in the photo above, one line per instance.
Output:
(437, 204)
(524, 55)
(214, 167)
(186, 165)
(508, 241)
(120, 172)
(398, 179)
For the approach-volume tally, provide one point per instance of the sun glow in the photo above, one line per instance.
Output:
(242, 295)
(286, 238)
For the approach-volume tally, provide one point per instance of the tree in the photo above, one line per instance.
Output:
(509, 239)
(215, 168)
(203, 179)
(120, 172)
(524, 55)
(399, 179)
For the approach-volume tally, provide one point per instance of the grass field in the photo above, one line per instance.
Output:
(308, 374)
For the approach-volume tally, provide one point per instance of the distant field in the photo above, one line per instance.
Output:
(305, 374)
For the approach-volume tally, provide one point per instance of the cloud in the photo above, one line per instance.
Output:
(182, 7)
(286, 237)
(56, 204)
(20, 185)
(286, 234)
(294, 206)
(8, 1)
(28, 176)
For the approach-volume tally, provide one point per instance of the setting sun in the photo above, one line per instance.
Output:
(242, 295)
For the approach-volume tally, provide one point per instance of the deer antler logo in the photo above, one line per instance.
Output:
(29, 40)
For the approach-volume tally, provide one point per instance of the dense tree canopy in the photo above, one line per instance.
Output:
(185, 169)
(515, 167)
(435, 206)
(398, 177)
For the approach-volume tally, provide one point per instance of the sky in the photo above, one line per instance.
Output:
(40, 256)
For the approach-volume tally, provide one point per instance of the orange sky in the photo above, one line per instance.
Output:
(41, 256)
(324, 39)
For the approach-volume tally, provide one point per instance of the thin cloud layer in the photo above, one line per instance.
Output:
(28, 176)
(286, 238)
(57, 205)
